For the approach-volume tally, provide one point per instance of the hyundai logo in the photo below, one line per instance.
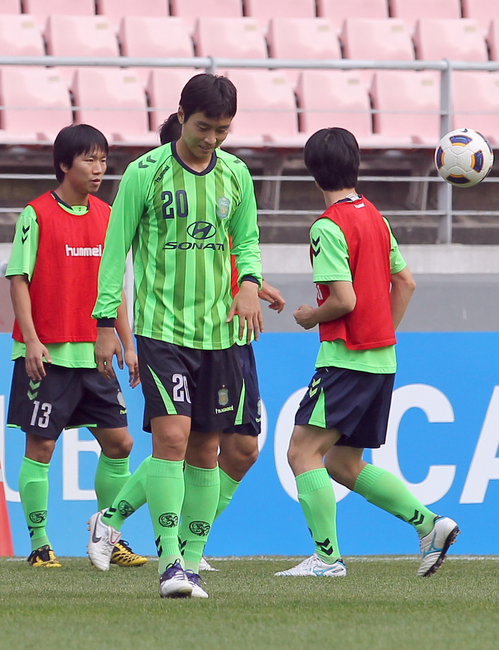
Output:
(201, 230)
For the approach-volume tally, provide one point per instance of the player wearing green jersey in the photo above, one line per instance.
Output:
(176, 207)
(363, 289)
(53, 272)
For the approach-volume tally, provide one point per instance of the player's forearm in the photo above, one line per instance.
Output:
(403, 286)
(122, 326)
(21, 303)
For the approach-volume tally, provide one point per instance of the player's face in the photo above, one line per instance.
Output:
(86, 172)
(201, 135)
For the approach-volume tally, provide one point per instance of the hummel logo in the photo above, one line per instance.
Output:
(149, 159)
(314, 387)
(326, 546)
(416, 519)
(25, 234)
(316, 249)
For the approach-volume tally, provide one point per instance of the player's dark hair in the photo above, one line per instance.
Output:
(211, 94)
(332, 156)
(170, 130)
(73, 141)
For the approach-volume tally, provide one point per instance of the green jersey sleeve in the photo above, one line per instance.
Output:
(329, 252)
(397, 262)
(25, 245)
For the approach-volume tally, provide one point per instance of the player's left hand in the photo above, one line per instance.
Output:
(132, 362)
(305, 316)
(273, 296)
(106, 346)
(247, 306)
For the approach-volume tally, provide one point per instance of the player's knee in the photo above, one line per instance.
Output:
(39, 449)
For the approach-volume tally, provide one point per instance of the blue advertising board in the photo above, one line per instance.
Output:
(442, 441)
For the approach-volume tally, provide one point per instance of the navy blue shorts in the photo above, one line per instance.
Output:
(355, 403)
(65, 398)
(252, 397)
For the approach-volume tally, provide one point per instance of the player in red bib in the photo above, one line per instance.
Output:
(56, 385)
(363, 289)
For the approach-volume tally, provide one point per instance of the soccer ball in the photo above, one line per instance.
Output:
(463, 157)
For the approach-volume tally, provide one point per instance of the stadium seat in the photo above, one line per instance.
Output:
(338, 10)
(116, 10)
(10, 7)
(493, 39)
(237, 38)
(459, 39)
(20, 36)
(266, 112)
(154, 37)
(409, 105)
(334, 98)
(42, 9)
(36, 104)
(302, 38)
(163, 89)
(191, 10)
(483, 11)
(411, 11)
(475, 98)
(113, 100)
(264, 10)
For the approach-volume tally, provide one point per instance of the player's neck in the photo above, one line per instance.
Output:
(337, 195)
(188, 158)
(70, 196)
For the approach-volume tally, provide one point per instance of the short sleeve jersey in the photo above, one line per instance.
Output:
(330, 262)
(178, 223)
(22, 262)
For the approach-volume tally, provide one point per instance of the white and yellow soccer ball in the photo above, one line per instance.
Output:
(464, 157)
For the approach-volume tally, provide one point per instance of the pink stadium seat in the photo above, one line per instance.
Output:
(409, 105)
(116, 10)
(334, 98)
(42, 9)
(154, 37)
(483, 11)
(264, 10)
(10, 7)
(459, 39)
(191, 10)
(237, 38)
(339, 10)
(475, 98)
(20, 36)
(493, 39)
(113, 100)
(302, 38)
(266, 112)
(411, 11)
(163, 90)
(36, 104)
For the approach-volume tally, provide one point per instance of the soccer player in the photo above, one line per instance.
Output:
(53, 272)
(355, 262)
(178, 205)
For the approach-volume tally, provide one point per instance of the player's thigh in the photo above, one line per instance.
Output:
(114, 442)
(202, 449)
(101, 406)
(170, 435)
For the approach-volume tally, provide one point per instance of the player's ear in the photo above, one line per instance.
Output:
(181, 115)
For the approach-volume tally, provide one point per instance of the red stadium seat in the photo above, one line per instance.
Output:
(116, 10)
(460, 39)
(409, 105)
(10, 7)
(36, 104)
(338, 10)
(237, 38)
(302, 38)
(154, 37)
(191, 10)
(264, 10)
(42, 9)
(475, 98)
(163, 90)
(20, 36)
(493, 39)
(411, 11)
(483, 11)
(266, 112)
(113, 100)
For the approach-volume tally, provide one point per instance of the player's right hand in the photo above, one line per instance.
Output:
(36, 352)
(106, 346)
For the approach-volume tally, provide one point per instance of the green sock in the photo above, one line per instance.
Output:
(318, 502)
(130, 498)
(34, 490)
(227, 488)
(386, 491)
(202, 490)
(110, 477)
(165, 495)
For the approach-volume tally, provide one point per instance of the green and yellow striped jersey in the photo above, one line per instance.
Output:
(178, 223)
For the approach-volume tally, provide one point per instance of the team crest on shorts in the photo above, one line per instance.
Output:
(223, 396)
(223, 205)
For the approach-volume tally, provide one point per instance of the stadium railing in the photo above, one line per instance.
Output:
(445, 211)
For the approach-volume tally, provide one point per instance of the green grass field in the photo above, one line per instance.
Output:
(380, 605)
